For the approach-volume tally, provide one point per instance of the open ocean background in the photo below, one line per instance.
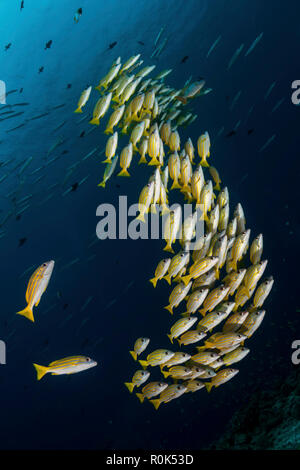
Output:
(93, 410)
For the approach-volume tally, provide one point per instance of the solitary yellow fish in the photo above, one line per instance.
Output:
(36, 287)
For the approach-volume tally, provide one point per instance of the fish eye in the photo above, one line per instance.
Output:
(166, 353)
(87, 359)
(178, 388)
(44, 264)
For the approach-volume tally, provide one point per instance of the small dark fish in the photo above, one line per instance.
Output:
(141, 43)
(41, 69)
(230, 134)
(59, 294)
(18, 217)
(65, 306)
(21, 90)
(64, 152)
(22, 5)
(118, 186)
(69, 86)
(22, 241)
(79, 11)
(82, 134)
(250, 131)
(185, 58)
(74, 186)
(48, 44)
(113, 44)
(7, 46)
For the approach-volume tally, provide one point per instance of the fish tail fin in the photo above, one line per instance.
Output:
(206, 218)
(204, 163)
(200, 348)
(168, 278)
(169, 308)
(179, 342)
(144, 364)
(130, 386)
(208, 387)
(186, 279)
(78, 110)
(123, 172)
(153, 281)
(175, 185)
(102, 184)
(95, 121)
(168, 248)
(27, 312)
(108, 130)
(165, 374)
(185, 314)
(203, 312)
(141, 217)
(40, 370)
(155, 403)
(140, 397)
(170, 338)
(107, 160)
(217, 273)
(217, 187)
(133, 354)
(142, 160)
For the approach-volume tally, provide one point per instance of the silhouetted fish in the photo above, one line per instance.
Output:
(230, 134)
(65, 306)
(184, 59)
(82, 134)
(74, 186)
(48, 44)
(69, 85)
(22, 5)
(141, 43)
(250, 131)
(7, 46)
(113, 44)
(22, 241)
(41, 69)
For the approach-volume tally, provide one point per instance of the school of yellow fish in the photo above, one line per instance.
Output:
(219, 278)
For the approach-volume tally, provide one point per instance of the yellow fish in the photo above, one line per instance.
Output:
(125, 160)
(157, 357)
(83, 99)
(37, 285)
(203, 145)
(221, 377)
(180, 327)
(177, 295)
(68, 365)
(170, 393)
(100, 108)
(139, 377)
(151, 390)
(145, 200)
(160, 270)
(139, 346)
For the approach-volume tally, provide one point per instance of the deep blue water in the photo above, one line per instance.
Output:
(94, 409)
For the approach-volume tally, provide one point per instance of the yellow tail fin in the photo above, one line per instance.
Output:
(153, 281)
(142, 160)
(140, 217)
(169, 308)
(27, 312)
(168, 278)
(134, 354)
(170, 337)
(175, 185)
(217, 187)
(41, 371)
(107, 160)
(165, 374)
(95, 121)
(123, 173)
(155, 403)
(204, 163)
(102, 184)
(109, 130)
(186, 279)
(168, 248)
(140, 397)
(144, 364)
(78, 110)
(208, 387)
(203, 312)
(130, 386)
